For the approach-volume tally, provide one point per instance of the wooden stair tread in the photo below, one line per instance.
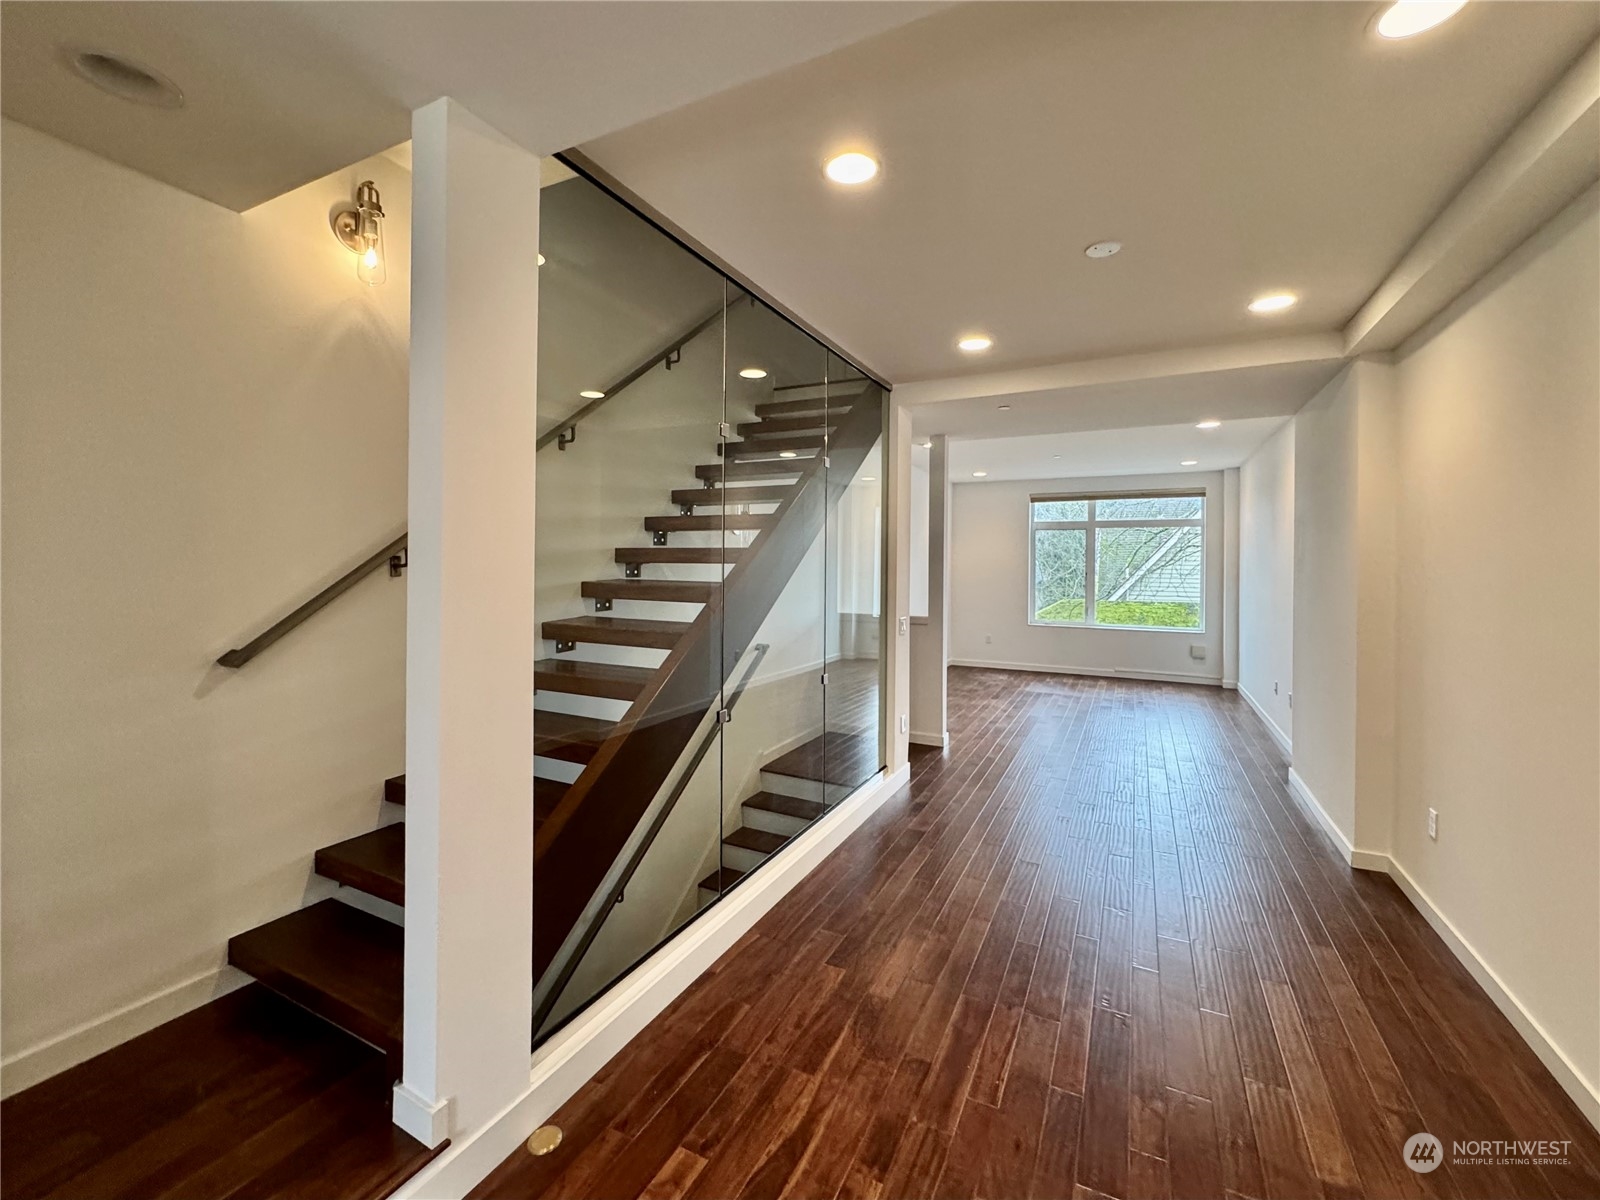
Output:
(679, 554)
(788, 424)
(564, 736)
(343, 964)
(374, 862)
(616, 631)
(759, 469)
(708, 523)
(394, 790)
(721, 879)
(835, 758)
(787, 806)
(570, 676)
(758, 840)
(704, 497)
(768, 447)
(680, 591)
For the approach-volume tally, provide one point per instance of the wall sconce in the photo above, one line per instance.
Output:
(361, 230)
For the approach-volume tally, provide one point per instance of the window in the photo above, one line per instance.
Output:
(1124, 561)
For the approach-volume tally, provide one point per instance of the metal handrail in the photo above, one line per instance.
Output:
(547, 995)
(394, 554)
(564, 433)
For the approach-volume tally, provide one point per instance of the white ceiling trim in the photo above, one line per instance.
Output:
(1127, 368)
(1547, 160)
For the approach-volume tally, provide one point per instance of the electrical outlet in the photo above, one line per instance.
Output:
(1433, 823)
(905, 723)
(1197, 651)
(1274, 687)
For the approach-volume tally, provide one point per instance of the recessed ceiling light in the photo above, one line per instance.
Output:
(1274, 302)
(1005, 408)
(869, 479)
(1208, 423)
(1189, 462)
(591, 394)
(1407, 18)
(752, 373)
(1055, 456)
(125, 79)
(928, 445)
(974, 343)
(850, 169)
(1102, 249)
(786, 454)
(541, 260)
(980, 474)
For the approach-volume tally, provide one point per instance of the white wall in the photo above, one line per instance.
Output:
(989, 602)
(930, 633)
(1266, 581)
(1499, 634)
(205, 421)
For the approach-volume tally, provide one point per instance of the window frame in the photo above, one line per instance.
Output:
(1090, 524)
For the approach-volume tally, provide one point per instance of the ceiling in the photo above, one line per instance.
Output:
(280, 93)
(1155, 450)
(1232, 147)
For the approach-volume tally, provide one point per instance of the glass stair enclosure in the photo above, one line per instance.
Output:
(709, 575)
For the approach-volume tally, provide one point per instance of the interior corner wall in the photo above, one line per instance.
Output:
(1266, 582)
(205, 422)
(1498, 697)
(989, 580)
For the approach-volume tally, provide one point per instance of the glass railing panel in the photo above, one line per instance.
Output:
(775, 487)
(854, 566)
(627, 796)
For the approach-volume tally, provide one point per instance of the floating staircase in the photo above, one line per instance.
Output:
(345, 964)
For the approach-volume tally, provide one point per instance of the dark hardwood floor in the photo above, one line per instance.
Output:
(248, 1096)
(1095, 950)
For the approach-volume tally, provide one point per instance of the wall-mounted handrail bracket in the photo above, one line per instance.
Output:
(672, 357)
(399, 562)
(567, 436)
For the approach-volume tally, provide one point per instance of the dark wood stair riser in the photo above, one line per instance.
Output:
(616, 631)
(343, 964)
(721, 879)
(571, 677)
(672, 591)
(793, 408)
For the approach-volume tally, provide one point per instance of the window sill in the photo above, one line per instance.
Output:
(1200, 632)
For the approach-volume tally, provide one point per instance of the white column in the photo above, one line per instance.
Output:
(897, 460)
(930, 639)
(469, 624)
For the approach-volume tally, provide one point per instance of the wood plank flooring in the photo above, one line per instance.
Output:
(247, 1096)
(1095, 950)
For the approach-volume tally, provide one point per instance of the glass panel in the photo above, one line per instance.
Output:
(1148, 575)
(772, 644)
(855, 586)
(1148, 508)
(1059, 585)
(618, 300)
(1060, 510)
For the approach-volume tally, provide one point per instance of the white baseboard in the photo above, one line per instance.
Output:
(1094, 672)
(1278, 735)
(574, 1054)
(1584, 1092)
(931, 739)
(28, 1067)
